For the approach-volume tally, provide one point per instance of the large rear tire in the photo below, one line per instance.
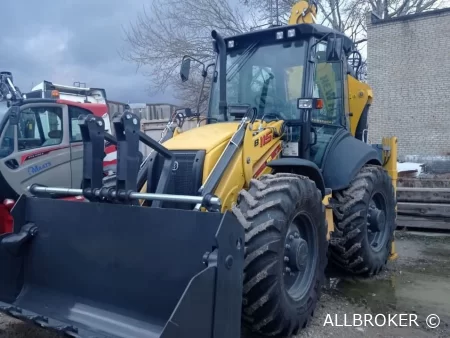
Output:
(364, 215)
(285, 252)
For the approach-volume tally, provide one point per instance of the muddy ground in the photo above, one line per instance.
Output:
(417, 284)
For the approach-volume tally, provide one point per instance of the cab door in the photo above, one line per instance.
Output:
(40, 152)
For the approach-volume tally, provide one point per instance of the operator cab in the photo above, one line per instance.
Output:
(274, 69)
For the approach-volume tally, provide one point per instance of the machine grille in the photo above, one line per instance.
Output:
(182, 182)
(185, 175)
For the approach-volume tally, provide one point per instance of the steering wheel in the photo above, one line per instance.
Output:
(277, 102)
(272, 116)
(273, 97)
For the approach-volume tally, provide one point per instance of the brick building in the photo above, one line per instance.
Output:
(409, 71)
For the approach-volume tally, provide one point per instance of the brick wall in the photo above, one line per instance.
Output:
(409, 71)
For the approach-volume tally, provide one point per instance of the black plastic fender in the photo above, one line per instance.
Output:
(344, 159)
(300, 166)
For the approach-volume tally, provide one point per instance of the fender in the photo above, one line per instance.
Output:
(344, 160)
(300, 166)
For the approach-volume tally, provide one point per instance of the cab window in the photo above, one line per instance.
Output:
(266, 76)
(328, 86)
(74, 127)
(40, 127)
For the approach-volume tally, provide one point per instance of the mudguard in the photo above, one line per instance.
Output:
(111, 270)
(344, 158)
(301, 167)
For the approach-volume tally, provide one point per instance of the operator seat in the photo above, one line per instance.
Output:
(55, 137)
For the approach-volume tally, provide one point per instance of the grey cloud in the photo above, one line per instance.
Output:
(72, 40)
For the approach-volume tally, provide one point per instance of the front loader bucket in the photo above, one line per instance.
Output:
(111, 270)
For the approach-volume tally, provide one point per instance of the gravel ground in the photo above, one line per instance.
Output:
(418, 283)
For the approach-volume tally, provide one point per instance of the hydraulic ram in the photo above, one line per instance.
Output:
(133, 195)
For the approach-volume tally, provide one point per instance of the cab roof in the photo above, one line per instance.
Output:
(303, 29)
(98, 109)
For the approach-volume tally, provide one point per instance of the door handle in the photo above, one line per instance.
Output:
(12, 164)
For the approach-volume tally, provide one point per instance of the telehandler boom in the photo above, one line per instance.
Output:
(228, 225)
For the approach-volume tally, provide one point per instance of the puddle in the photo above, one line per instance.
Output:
(418, 282)
(403, 293)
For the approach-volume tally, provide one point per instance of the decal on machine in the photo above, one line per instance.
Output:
(37, 168)
(263, 140)
(272, 156)
(290, 149)
(40, 153)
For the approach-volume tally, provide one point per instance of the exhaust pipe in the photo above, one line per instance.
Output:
(222, 73)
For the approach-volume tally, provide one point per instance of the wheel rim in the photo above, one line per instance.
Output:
(300, 257)
(377, 227)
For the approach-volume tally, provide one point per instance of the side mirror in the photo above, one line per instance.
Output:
(185, 69)
(335, 49)
(14, 115)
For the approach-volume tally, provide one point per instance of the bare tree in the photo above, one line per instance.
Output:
(170, 29)
(387, 9)
(190, 94)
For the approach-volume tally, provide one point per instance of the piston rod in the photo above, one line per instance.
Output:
(133, 195)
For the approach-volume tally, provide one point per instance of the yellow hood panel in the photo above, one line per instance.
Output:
(205, 137)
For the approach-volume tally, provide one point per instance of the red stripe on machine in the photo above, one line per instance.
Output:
(274, 153)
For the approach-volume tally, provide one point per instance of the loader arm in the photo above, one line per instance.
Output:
(303, 12)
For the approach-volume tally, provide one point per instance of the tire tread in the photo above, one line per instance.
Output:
(263, 210)
(347, 248)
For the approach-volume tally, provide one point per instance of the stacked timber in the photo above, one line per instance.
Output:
(423, 203)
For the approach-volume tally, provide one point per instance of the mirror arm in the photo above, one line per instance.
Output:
(201, 92)
(204, 75)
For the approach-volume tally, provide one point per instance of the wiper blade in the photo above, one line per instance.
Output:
(244, 53)
(265, 89)
(242, 59)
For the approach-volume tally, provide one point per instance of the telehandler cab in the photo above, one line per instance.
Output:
(226, 224)
(40, 141)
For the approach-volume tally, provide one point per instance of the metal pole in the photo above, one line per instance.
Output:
(134, 195)
(271, 12)
(277, 13)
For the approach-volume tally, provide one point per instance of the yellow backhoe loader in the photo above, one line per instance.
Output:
(227, 225)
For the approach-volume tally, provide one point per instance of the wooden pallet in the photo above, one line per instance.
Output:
(423, 207)
(422, 222)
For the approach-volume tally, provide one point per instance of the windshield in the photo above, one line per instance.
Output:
(268, 77)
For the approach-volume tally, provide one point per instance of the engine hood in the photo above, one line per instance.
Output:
(203, 138)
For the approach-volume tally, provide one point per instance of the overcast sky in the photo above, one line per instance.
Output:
(72, 40)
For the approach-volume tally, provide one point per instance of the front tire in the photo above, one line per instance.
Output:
(285, 252)
(364, 216)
